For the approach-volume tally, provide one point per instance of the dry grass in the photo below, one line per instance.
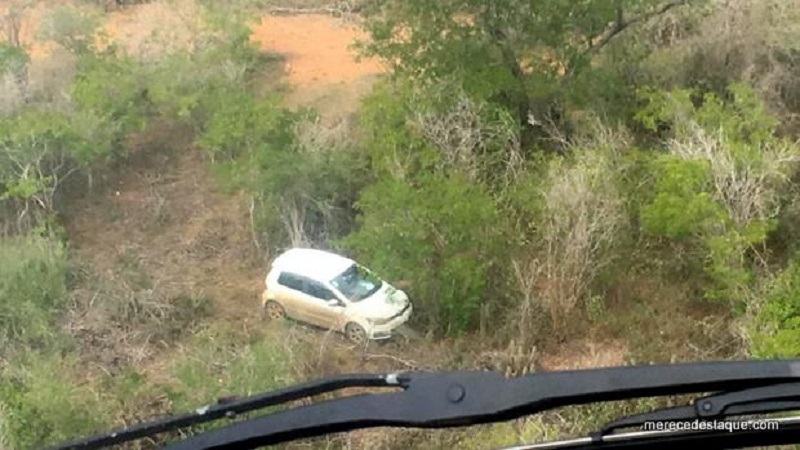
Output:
(152, 30)
(582, 214)
(156, 240)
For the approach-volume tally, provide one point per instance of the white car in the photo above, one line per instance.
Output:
(333, 292)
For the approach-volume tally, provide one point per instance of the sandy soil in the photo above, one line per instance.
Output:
(321, 65)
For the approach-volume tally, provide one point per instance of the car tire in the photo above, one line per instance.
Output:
(273, 311)
(355, 333)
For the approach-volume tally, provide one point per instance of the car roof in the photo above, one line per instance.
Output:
(316, 264)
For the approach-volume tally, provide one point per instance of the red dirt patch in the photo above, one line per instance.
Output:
(317, 48)
(320, 64)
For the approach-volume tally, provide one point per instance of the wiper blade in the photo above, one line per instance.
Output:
(449, 399)
(768, 399)
(705, 419)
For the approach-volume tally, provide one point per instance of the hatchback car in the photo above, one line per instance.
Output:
(333, 292)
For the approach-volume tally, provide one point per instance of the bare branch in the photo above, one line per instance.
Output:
(621, 24)
(348, 10)
(464, 136)
(294, 217)
(583, 213)
(747, 191)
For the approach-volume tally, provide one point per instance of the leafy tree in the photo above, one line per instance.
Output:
(515, 53)
(442, 232)
(39, 150)
(394, 149)
(113, 87)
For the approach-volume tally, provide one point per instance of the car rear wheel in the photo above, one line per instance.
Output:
(355, 333)
(274, 311)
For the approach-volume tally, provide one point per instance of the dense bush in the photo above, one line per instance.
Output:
(32, 292)
(443, 233)
(776, 331)
(38, 409)
(720, 181)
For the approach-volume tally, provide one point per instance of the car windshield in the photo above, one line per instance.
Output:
(357, 283)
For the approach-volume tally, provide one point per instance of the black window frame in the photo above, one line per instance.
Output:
(305, 285)
(313, 285)
(295, 277)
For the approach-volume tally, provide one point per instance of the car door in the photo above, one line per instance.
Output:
(306, 304)
(324, 314)
(292, 296)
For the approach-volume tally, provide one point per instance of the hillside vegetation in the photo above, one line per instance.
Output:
(562, 184)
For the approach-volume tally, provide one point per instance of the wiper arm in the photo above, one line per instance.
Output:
(449, 399)
(228, 408)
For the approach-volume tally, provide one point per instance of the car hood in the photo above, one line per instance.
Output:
(385, 303)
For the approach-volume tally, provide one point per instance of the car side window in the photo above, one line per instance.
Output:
(319, 291)
(291, 281)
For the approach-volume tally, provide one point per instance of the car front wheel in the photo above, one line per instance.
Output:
(274, 311)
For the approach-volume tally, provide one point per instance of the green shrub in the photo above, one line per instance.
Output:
(394, 148)
(32, 291)
(442, 233)
(224, 362)
(12, 59)
(720, 184)
(41, 409)
(113, 87)
(301, 195)
(682, 206)
(777, 325)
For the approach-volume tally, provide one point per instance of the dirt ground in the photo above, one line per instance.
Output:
(321, 65)
(166, 211)
(169, 211)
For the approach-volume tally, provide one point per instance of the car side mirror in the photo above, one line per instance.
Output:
(334, 302)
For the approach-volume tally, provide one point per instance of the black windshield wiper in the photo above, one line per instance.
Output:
(454, 399)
